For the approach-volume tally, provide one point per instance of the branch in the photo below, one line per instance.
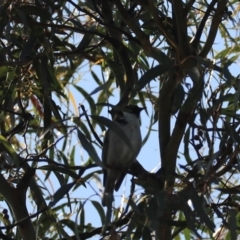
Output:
(187, 8)
(16, 199)
(98, 230)
(183, 45)
(132, 23)
(198, 35)
(214, 28)
(90, 125)
(121, 51)
(179, 129)
(164, 113)
(161, 26)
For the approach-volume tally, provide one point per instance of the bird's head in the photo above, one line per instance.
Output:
(134, 109)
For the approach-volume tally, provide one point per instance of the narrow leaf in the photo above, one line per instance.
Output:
(153, 73)
(99, 208)
(89, 148)
(9, 149)
(87, 38)
(63, 190)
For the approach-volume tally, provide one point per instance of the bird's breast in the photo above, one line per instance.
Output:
(119, 153)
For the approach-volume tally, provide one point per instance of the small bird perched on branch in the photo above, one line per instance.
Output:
(117, 155)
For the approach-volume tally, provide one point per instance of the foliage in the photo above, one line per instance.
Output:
(50, 148)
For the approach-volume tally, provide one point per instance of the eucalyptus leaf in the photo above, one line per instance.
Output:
(89, 148)
(60, 193)
(152, 74)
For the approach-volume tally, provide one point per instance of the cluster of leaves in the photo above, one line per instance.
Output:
(44, 44)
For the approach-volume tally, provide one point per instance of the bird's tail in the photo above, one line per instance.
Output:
(107, 197)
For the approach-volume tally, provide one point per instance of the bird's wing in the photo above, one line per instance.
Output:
(104, 155)
(119, 181)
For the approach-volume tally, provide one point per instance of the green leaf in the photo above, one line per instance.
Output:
(153, 73)
(87, 96)
(10, 150)
(58, 169)
(227, 51)
(150, 130)
(198, 203)
(89, 148)
(186, 146)
(118, 72)
(61, 192)
(104, 86)
(160, 56)
(100, 210)
(87, 38)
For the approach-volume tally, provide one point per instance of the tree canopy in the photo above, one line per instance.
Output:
(178, 58)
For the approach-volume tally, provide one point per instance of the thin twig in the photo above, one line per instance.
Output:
(90, 125)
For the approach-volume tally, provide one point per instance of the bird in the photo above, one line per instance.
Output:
(117, 155)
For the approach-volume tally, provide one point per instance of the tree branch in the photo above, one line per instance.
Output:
(161, 26)
(198, 34)
(214, 27)
(121, 52)
(16, 199)
(183, 42)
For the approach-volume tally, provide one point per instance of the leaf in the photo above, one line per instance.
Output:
(104, 86)
(149, 131)
(153, 73)
(190, 219)
(22, 16)
(187, 234)
(118, 72)
(59, 170)
(89, 148)
(10, 150)
(61, 192)
(227, 51)
(160, 56)
(198, 203)
(82, 216)
(230, 129)
(186, 146)
(87, 38)
(87, 96)
(100, 210)
(96, 78)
